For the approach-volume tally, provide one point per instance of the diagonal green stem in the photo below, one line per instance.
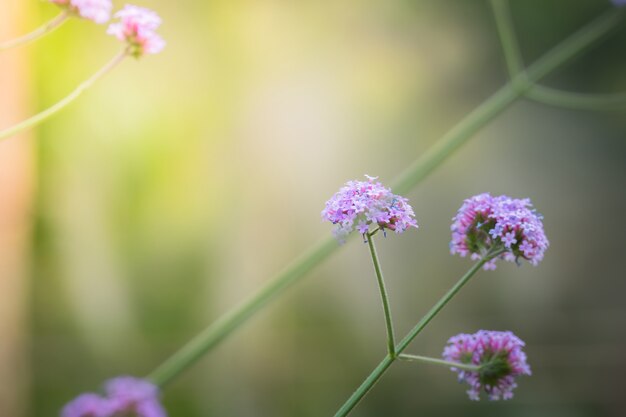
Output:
(414, 174)
(501, 99)
(37, 33)
(441, 362)
(545, 95)
(369, 382)
(391, 342)
(230, 321)
(40, 117)
(559, 55)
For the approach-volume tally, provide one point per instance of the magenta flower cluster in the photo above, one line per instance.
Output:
(499, 356)
(361, 204)
(137, 27)
(485, 222)
(125, 396)
(98, 11)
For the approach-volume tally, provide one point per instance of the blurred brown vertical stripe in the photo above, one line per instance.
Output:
(16, 189)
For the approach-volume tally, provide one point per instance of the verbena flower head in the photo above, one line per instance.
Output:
(134, 396)
(125, 396)
(137, 27)
(619, 3)
(500, 357)
(88, 405)
(485, 222)
(98, 11)
(361, 204)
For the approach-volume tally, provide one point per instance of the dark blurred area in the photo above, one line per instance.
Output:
(182, 182)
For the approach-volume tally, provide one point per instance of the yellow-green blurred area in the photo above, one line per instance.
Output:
(182, 182)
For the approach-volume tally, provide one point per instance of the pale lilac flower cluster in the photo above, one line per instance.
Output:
(137, 27)
(500, 357)
(125, 396)
(359, 204)
(619, 3)
(98, 11)
(485, 222)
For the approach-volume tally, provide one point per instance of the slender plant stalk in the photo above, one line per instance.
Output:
(441, 362)
(545, 95)
(414, 174)
(391, 342)
(388, 360)
(50, 111)
(577, 101)
(41, 31)
(230, 321)
(506, 33)
(558, 56)
(519, 85)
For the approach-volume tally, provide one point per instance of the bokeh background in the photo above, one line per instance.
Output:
(182, 182)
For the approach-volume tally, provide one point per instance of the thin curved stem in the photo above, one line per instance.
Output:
(558, 56)
(506, 32)
(576, 44)
(457, 136)
(577, 101)
(40, 32)
(40, 117)
(378, 372)
(391, 342)
(441, 362)
(545, 95)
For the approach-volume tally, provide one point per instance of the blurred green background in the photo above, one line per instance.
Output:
(182, 182)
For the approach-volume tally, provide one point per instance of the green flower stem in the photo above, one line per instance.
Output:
(37, 33)
(230, 321)
(40, 117)
(545, 95)
(505, 96)
(388, 360)
(435, 361)
(413, 175)
(504, 24)
(391, 342)
(577, 101)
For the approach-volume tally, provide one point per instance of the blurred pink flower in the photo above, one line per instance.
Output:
(88, 405)
(125, 396)
(137, 27)
(98, 11)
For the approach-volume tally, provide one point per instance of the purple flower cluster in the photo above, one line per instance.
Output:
(499, 356)
(137, 27)
(124, 396)
(359, 204)
(485, 222)
(619, 3)
(98, 11)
